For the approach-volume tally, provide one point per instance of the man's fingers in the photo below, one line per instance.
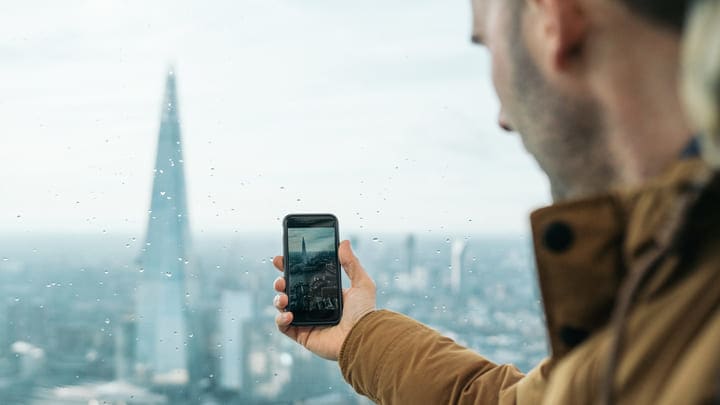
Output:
(353, 268)
(278, 262)
(279, 284)
(280, 302)
(283, 319)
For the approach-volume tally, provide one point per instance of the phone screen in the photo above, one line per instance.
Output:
(312, 269)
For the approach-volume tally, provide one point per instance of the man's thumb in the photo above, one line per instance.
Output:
(352, 265)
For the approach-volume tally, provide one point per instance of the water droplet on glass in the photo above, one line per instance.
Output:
(107, 321)
(162, 193)
(447, 240)
(375, 239)
(5, 259)
(168, 274)
(127, 245)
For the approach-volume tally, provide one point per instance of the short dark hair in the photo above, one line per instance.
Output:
(669, 13)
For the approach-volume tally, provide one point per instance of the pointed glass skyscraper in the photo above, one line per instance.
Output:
(304, 251)
(161, 311)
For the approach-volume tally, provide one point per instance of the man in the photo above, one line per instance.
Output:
(628, 257)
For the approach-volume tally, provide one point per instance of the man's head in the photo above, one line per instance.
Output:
(670, 13)
(591, 86)
(701, 75)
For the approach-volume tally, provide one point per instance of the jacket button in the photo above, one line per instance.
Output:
(558, 237)
(573, 336)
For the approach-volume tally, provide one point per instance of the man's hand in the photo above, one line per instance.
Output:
(358, 300)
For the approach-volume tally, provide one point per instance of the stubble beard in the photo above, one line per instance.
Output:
(563, 133)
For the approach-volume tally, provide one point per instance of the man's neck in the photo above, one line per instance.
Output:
(637, 87)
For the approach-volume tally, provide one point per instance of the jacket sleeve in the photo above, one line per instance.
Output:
(393, 359)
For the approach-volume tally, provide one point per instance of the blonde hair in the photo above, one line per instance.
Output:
(701, 75)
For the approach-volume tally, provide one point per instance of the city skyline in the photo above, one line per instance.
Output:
(114, 292)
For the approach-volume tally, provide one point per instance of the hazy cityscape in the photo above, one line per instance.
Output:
(312, 275)
(173, 317)
(67, 323)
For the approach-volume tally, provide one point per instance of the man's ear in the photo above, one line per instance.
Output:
(563, 26)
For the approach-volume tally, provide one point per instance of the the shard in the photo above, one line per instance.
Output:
(161, 306)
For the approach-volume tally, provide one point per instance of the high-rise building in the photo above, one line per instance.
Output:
(457, 259)
(236, 310)
(410, 253)
(161, 308)
(304, 252)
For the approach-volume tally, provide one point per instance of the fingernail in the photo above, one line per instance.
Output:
(276, 300)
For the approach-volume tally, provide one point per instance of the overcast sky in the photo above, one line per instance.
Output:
(316, 239)
(381, 112)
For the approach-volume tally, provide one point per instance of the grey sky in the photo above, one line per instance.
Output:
(316, 239)
(380, 112)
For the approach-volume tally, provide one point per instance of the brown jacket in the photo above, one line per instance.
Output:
(631, 289)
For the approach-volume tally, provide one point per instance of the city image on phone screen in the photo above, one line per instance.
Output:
(312, 270)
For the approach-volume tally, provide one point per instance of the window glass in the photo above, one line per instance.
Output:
(151, 149)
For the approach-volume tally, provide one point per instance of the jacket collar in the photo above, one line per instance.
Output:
(585, 248)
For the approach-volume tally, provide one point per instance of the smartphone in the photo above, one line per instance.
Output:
(313, 282)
